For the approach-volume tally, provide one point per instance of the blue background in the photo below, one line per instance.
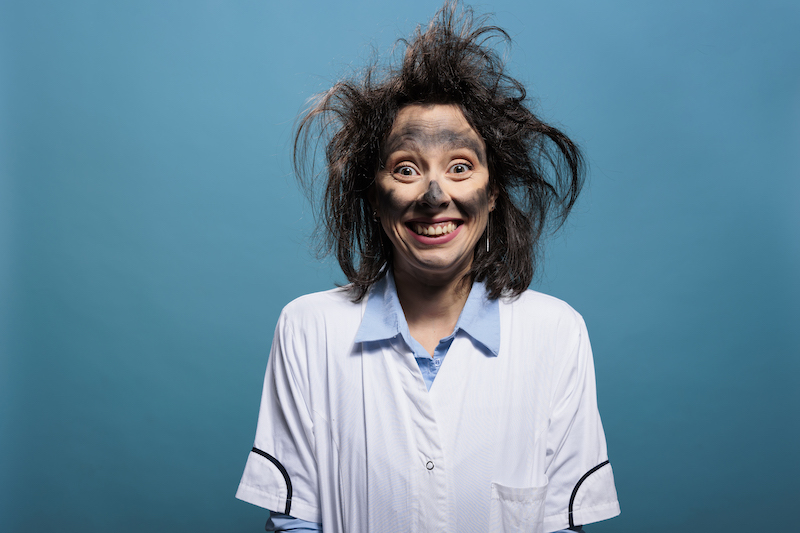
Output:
(151, 231)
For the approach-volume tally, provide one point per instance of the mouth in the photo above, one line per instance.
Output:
(438, 229)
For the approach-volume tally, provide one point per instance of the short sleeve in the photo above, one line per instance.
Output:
(280, 474)
(581, 483)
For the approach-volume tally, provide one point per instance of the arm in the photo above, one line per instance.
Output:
(281, 469)
(281, 522)
(581, 488)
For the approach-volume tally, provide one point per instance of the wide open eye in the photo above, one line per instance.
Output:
(460, 168)
(405, 171)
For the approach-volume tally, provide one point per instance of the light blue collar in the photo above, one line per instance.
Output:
(384, 318)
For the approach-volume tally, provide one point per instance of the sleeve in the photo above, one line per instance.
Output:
(281, 472)
(581, 483)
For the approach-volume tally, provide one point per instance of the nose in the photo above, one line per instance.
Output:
(434, 196)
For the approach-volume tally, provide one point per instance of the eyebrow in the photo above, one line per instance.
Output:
(412, 137)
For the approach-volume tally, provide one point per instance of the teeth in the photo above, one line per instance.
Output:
(435, 229)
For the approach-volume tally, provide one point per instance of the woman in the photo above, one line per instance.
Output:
(435, 392)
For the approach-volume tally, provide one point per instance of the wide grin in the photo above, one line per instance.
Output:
(434, 230)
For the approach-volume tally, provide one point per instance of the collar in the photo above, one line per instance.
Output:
(384, 319)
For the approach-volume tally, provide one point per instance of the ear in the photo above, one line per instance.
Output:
(493, 194)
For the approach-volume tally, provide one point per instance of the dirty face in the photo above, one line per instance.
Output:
(432, 193)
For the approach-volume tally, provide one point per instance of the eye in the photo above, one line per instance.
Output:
(405, 171)
(460, 168)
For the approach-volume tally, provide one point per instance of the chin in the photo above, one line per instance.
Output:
(441, 270)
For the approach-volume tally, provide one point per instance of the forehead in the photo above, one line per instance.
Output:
(432, 127)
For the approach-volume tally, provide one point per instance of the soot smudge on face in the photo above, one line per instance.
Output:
(476, 204)
(390, 206)
(434, 194)
(414, 137)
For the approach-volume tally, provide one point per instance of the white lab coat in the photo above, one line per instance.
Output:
(349, 436)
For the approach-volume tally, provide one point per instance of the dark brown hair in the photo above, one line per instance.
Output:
(536, 170)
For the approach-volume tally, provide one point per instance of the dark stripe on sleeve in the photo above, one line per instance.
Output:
(578, 485)
(283, 471)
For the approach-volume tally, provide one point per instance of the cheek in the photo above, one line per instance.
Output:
(476, 204)
(390, 204)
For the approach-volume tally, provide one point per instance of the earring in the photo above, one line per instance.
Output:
(375, 215)
(488, 225)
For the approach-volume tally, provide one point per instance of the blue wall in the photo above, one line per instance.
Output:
(151, 231)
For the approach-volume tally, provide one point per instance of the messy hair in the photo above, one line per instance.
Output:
(535, 169)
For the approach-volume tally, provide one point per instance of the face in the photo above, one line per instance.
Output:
(432, 194)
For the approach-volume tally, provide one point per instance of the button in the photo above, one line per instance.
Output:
(429, 465)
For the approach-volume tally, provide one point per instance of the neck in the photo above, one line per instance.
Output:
(431, 309)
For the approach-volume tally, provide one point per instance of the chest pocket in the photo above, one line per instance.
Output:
(515, 510)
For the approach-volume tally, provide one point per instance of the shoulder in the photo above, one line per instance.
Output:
(331, 310)
(535, 323)
(333, 300)
(534, 307)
